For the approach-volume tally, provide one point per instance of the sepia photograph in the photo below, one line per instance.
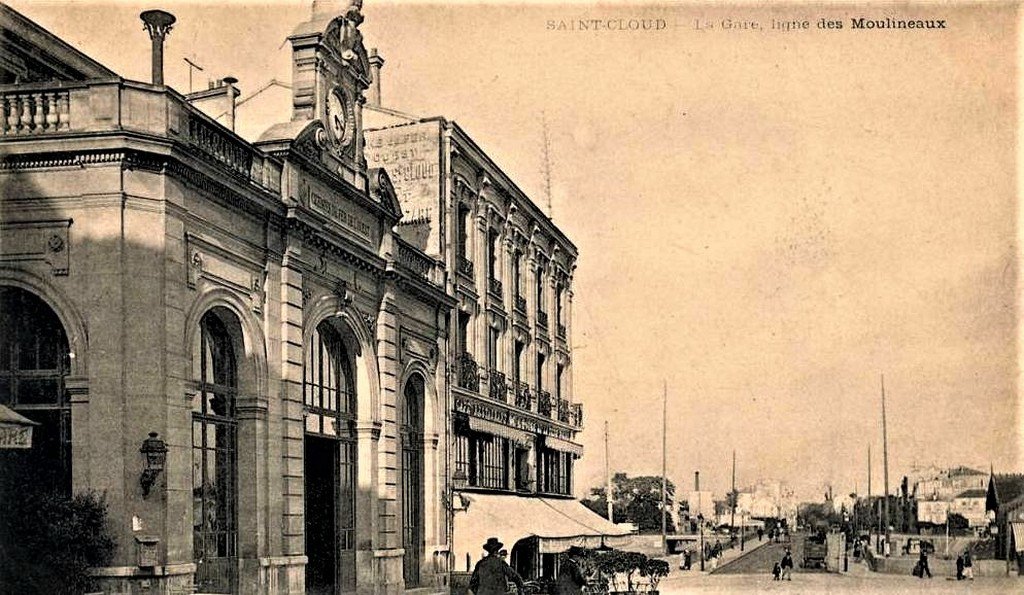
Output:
(504, 297)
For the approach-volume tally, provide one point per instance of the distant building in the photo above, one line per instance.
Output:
(947, 483)
(970, 504)
(939, 492)
(932, 511)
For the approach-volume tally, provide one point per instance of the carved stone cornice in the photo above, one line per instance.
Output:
(315, 238)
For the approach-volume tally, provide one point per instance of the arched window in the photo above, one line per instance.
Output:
(214, 449)
(330, 461)
(34, 359)
(411, 430)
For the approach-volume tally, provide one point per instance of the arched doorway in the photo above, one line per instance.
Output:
(34, 360)
(214, 452)
(411, 431)
(330, 462)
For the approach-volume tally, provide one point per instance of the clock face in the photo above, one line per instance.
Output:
(340, 117)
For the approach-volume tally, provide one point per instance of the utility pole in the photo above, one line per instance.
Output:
(885, 463)
(664, 478)
(191, 66)
(607, 474)
(732, 516)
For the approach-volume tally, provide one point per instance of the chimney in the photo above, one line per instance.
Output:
(376, 62)
(696, 481)
(158, 23)
(232, 94)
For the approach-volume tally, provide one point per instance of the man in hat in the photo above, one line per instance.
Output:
(570, 579)
(491, 574)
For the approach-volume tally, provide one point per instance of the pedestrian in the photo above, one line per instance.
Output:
(960, 567)
(923, 561)
(688, 555)
(968, 566)
(760, 533)
(787, 565)
(570, 579)
(776, 571)
(491, 574)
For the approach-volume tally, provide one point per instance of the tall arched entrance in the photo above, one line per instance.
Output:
(411, 432)
(34, 360)
(215, 452)
(330, 461)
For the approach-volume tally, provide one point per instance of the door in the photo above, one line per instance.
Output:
(321, 463)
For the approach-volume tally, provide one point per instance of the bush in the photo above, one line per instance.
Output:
(48, 542)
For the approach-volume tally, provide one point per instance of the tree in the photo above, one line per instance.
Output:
(958, 522)
(634, 499)
(49, 541)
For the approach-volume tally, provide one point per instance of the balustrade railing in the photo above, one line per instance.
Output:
(544, 403)
(464, 266)
(498, 388)
(468, 373)
(576, 415)
(32, 109)
(542, 319)
(414, 260)
(520, 304)
(35, 112)
(563, 411)
(524, 399)
(561, 331)
(494, 287)
(213, 142)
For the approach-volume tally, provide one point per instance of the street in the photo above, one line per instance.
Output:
(822, 582)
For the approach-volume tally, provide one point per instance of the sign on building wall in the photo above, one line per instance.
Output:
(411, 155)
(15, 429)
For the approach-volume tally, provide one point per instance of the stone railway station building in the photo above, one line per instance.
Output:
(332, 378)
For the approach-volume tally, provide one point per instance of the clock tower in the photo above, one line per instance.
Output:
(330, 72)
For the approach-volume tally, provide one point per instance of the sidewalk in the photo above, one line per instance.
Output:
(729, 555)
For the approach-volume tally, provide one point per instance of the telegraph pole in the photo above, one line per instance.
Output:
(885, 463)
(732, 517)
(664, 478)
(607, 474)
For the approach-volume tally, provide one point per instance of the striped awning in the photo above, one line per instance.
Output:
(1018, 535)
(495, 429)
(563, 445)
(557, 523)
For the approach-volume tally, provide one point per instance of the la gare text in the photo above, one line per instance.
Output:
(730, 24)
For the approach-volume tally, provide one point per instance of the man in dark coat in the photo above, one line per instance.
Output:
(570, 579)
(960, 567)
(923, 563)
(491, 574)
(786, 565)
(968, 566)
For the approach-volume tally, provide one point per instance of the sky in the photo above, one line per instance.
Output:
(768, 221)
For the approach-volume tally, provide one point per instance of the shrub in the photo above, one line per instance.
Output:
(48, 542)
(654, 570)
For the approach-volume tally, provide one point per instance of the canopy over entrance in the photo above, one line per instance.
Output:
(557, 523)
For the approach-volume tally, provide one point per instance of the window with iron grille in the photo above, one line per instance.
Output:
(484, 459)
